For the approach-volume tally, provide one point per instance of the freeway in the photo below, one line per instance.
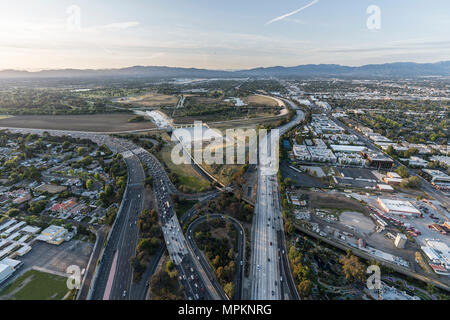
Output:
(240, 257)
(271, 278)
(193, 277)
(122, 240)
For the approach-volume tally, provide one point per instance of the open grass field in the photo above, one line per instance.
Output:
(189, 179)
(260, 100)
(113, 122)
(36, 285)
(150, 100)
(206, 101)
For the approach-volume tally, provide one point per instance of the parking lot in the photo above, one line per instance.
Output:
(55, 258)
(357, 173)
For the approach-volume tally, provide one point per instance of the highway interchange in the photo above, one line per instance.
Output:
(113, 279)
(239, 257)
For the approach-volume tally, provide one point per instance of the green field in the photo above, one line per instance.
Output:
(36, 285)
(190, 181)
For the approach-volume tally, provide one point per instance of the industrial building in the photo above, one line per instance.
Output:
(400, 240)
(438, 253)
(399, 207)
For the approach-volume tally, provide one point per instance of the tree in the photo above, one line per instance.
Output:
(402, 171)
(431, 289)
(304, 288)
(12, 212)
(390, 150)
(413, 183)
(352, 267)
(89, 184)
(230, 254)
(229, 289)
(66, 145)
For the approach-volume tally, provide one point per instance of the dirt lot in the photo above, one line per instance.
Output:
(115, 122)
(327, 200)
(150, 100)
(51, 188)
(260, 100)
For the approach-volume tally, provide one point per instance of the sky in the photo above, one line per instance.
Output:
(232, 34)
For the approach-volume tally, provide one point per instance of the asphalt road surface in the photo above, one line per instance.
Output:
(122, 240)
(267, 273)
(191, 274)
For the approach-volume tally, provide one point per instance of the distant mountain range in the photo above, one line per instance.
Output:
(388, 70)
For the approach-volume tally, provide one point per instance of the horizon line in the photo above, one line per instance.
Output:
(212, 69)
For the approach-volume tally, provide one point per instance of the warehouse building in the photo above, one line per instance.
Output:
(399, 207)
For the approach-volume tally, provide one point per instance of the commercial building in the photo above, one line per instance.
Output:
(301, 152)
(393, 181)
(15, 264)
(30, 229)
(444, 160)
(53, 235)
(378, 160)
(347, 148)
(7, 224)
(415, 162)
(394, 175)
(13, 228)
(5, 272)
(320, 154)
(436, 176)
(385, 188)
(399, 207)
(439, 179)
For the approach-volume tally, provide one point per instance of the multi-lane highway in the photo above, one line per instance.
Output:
(193, 277)
(268, 265)
(115, 273)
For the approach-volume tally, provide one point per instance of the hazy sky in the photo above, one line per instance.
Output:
(217, 34)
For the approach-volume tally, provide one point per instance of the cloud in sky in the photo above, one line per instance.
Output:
(117, 26)
(213, 34)
(292, 13)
